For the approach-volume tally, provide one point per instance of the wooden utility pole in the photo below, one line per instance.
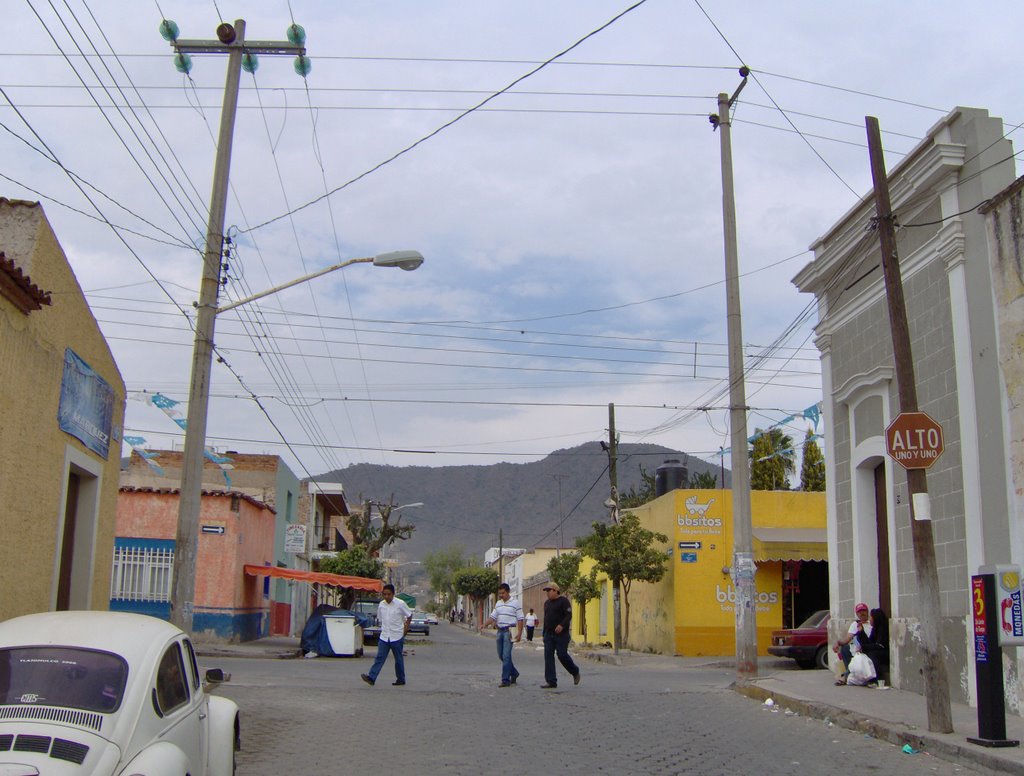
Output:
(613, 478)
(743, 566)
(936, 685)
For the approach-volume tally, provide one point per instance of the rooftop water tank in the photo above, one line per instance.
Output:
(671, 475)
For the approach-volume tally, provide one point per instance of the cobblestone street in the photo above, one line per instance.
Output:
(315, 717)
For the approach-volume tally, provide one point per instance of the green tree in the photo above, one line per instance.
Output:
(375, 538)
(584, 591)
(772, 460)
(812, 470)
(478, 583)
(704, 480)
(636, 498)
(353, 562)
(625, 553)
(441, 566)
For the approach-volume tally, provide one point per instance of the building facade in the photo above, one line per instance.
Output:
(941, 240)
(61, 416)
(235, 529)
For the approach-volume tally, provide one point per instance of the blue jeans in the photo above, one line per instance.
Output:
(383, 647)
(504, 642)
(557, 643)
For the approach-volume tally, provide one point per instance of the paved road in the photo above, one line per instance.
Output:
(316, 718)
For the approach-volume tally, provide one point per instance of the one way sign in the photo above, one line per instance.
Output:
(689, 545)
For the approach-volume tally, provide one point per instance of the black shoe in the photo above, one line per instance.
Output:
(366, 678)
(576, 678)
(398, 683)
(548, 686)
(505, 684)
(513, 680)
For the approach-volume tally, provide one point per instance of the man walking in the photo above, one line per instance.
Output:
(507, 613)
(394, 617)
(557, 619)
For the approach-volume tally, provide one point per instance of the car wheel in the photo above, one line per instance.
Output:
(821, 657)
(426, 632)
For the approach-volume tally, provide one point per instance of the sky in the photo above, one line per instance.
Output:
(552, 161)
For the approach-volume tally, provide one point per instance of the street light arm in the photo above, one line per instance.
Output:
(407, 260)
(291, 283)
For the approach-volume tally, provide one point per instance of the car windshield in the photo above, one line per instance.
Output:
(815, 620)
(62, 676)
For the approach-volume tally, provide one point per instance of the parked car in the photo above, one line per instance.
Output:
(371, 630)
(108, 693)
(419, 623)
(806, 644)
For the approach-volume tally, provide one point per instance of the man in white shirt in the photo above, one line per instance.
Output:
(507, 614)
(394, 617)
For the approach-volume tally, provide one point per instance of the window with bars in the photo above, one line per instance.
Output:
(142, 570)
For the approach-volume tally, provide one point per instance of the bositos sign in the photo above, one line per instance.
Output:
(704, 541)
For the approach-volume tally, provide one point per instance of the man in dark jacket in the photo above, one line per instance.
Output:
(557, 619)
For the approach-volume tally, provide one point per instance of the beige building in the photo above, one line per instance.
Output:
(61, 416)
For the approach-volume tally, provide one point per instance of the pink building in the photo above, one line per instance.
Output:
(235, 530)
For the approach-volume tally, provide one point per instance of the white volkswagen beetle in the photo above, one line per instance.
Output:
(106, 693)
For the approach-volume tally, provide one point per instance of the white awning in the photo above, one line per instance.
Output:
(790, 544)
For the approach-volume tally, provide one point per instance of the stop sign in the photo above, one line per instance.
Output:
(914, 440)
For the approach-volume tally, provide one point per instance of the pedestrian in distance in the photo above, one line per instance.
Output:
(557, 619)
(531, 624)
(507, 614)
(394, 618)
(849, 644)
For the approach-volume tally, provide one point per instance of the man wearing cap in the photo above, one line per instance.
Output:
(507, 614)
(557, 619)
(848, 644)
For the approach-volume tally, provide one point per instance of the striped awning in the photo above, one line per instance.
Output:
(790, 544)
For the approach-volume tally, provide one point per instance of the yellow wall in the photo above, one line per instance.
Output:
(35, 455)
(690, 612)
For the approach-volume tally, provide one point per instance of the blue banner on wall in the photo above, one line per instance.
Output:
(86, 404)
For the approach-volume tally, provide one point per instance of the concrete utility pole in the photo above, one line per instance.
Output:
(561, 520)
(613, 477)
(231, 40)
(743, 567)
(936, 685)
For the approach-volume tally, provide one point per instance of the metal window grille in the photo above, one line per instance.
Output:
(142, 574)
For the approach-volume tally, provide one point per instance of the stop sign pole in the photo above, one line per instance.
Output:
(936, 684)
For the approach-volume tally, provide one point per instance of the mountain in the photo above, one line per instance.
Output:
(470, 505)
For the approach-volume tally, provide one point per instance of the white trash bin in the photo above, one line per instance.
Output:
(345, 634)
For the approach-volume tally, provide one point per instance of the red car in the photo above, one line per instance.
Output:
(806, 644)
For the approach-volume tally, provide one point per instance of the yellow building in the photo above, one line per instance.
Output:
(61, 415)
(691, 610)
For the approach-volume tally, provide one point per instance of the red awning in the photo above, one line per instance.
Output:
(338, 580)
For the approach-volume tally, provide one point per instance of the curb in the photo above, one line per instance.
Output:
(894, 732)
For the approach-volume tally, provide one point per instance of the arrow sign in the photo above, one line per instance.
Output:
(689, 545)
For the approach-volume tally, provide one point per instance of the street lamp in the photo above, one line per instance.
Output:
(190, 496)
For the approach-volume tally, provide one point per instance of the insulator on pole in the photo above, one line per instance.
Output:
(303, 66)
(183, 63)
(168, 30)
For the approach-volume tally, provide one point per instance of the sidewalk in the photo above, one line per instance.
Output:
(892, 715)
(889, 714)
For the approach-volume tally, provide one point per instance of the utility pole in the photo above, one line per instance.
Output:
(501, 553)
(613, 477)
(743, 567)
(231, 40)
(561, 520)
(936, 685)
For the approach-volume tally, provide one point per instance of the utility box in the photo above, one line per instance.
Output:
(345, 634)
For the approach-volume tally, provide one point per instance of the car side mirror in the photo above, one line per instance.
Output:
(216, 676)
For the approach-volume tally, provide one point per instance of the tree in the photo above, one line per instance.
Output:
(565, 572)
(636, 498)
(478, 583)
(772, 460)
(625, 553)
(441, 566)
(374, 538)
(704, 480)
(353, 562)
(812, 470)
